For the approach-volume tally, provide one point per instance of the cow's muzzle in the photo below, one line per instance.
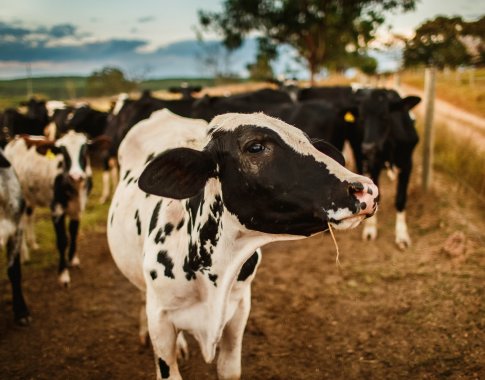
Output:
(367, 195)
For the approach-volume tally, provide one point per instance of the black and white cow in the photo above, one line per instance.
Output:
(194, 204)
(389, 139)
(32, 122)
(56, 175)
(11, 209)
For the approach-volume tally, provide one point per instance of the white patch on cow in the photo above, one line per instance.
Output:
(370, 229)
(119, 103)
(65, 278)
(7, 228)
(73, 142)
(52, 105)
(75, 262)
(403, 240)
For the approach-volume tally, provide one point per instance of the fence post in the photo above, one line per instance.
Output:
(428, 143)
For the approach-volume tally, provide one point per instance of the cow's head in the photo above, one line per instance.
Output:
(271, 177)
(384, 117)
(37, 110)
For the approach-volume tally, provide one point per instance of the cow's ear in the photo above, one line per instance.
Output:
(44, 149)
(177, 173)
(406, 104)
(330, 151)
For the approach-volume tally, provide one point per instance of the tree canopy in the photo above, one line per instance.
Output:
(327, 33)
(108, 81)
(448, 42)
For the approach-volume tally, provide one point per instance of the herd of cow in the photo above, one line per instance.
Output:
(204, 183)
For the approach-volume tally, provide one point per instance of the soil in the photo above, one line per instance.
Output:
(381, 314)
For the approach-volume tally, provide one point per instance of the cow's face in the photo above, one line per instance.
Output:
(384, 117)
(36, 109)
(272, 178)
(74, 148)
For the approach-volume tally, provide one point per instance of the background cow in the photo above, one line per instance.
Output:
(11, 209)
(56, 175)
(210, 198)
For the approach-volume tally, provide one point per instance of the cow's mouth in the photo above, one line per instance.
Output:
(347, 223)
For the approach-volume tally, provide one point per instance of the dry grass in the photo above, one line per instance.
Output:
(460, 89)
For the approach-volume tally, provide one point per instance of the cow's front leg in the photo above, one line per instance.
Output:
(73, 232)
(163, 336)
(230, 346)
(403, 239)
(106, 187)
(61, 239)
(21, 312)
(30, 231)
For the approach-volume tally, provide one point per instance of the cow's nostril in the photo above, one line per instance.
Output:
(356, 187)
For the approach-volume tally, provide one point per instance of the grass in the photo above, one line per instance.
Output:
(455, 87)
(459, 157)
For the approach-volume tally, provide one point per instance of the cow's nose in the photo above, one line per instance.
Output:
(367, 195)
(77, 177)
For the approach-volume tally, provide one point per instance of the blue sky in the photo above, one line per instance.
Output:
(144, 37)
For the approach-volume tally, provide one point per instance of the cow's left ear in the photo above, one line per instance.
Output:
(407, 103)
(4, 163)
(330, 151)
(45, 148)
(177, 173)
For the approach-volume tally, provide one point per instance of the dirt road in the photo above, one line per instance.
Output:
(384, 314)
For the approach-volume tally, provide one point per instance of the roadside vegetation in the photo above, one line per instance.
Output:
(463, 88)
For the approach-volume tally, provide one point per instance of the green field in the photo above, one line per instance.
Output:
(73, 87)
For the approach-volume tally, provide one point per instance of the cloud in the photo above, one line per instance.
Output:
(12, 31)
(62, 30)
(146, 19)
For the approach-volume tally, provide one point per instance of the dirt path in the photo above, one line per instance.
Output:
(383, 314)
(461, 122)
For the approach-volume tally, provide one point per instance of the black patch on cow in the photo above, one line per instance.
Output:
(127, 173)
(248, 267)
(138, 222)
(149, 158)
(181, 223)
(167, 262)
(64, 191)
(111, 219)
(130, 180)
(168, 229)
(154, 218)
(159, 237)
(164, 368)
(153, 274)
(199, 257)
(213, 278)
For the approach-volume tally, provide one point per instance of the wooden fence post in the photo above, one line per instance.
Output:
(428, 143)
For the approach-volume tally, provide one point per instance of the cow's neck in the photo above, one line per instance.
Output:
(219, 247)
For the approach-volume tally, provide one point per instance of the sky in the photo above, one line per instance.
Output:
(146, 38)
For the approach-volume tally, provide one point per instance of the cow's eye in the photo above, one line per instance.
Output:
(255, 148)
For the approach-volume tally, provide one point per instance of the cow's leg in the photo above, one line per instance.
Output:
(29, 228)
(73, 232)
(113, 165)
(106, 182)
(402, 236)
(369, 231)
(143, 328)
(163, 336)
(61, 239)
(20, 309)
(230, 346)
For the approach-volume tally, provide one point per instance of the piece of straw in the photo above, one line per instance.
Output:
(336, 245)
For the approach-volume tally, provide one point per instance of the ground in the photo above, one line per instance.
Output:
(381, 314)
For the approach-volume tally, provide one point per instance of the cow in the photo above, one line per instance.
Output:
(185, 90)
(32, 122)
(56, 175)
(11, 208)
(194, 205)
(389, 139)
(129, 113)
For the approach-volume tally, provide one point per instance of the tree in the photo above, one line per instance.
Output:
(323, 32)
(108, 81)
(261, 69)
(444, 42)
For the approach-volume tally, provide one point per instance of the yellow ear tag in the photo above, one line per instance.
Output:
(50, 155)
(349, 118)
